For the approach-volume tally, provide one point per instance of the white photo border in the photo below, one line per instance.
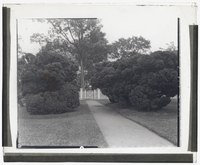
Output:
(84, 11)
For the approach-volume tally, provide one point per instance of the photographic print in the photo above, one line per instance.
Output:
(102, 82)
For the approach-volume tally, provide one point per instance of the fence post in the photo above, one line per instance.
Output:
(98, 93)
(81, 94)
(95, 94)
(85, 94)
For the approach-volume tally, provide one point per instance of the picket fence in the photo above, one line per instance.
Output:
(91, 94)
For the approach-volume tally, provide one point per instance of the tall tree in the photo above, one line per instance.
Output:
(82, 38)
(124, 48)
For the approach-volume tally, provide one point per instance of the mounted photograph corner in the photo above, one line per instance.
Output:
(107, 82)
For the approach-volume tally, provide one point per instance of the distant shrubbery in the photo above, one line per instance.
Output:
(144, 81)
(48, 83)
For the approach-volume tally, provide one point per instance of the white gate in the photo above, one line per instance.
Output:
(91, 94)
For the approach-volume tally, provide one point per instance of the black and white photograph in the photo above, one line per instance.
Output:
(99, 81)
(107, 82)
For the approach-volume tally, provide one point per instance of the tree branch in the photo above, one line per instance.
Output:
(66, 37)
(61, 32)
(70, 32)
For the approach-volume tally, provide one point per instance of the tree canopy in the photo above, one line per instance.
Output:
(124, 48)
(81, 38)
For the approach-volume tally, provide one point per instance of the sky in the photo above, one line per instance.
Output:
(159, 25)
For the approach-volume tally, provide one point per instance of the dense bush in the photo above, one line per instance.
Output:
(56, 102)
(47, 72)
(146, 82)
(48, 83)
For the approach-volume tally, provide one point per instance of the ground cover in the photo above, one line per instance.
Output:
(77, 128)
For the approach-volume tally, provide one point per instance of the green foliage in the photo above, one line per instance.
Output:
(48, 82)
(145, 81)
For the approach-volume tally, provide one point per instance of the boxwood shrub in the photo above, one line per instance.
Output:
(48, 83)
(63, 100)
(146, 82)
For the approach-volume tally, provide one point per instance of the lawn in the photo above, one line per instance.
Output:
(77, 128)
(163, 122)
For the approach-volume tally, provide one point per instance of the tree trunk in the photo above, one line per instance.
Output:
(82, 76)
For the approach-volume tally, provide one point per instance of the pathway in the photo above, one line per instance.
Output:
(119, 131)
